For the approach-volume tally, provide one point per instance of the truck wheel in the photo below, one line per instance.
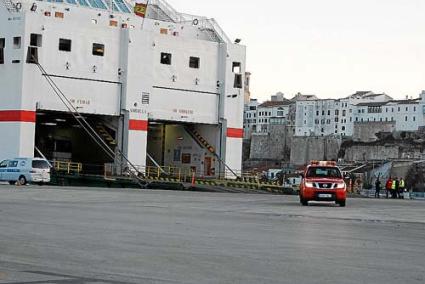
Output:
(342, 203)
(303, 202)
(22, 180)
(12, 182)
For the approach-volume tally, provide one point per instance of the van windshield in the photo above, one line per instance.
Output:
(40, 164)
(323, 172)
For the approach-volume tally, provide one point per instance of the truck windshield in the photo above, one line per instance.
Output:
(40, 164)
(323, 172)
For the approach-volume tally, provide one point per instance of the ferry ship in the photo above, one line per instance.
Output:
(162, 87)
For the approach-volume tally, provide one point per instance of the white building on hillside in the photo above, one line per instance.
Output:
(337, 117)
(250, 118)
(272, 112)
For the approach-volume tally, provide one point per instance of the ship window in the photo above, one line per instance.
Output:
(83, 3)
(98, 49)
(166, 58)
(17, 42)
(236, 68)
(122, 6)
(32, 54)
(35, 40)
(2, 44)
(97, 4)
(64, 44)
(238, 81)
(194, 62)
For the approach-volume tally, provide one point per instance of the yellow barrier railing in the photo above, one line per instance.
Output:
(170, 173)
(68, 167)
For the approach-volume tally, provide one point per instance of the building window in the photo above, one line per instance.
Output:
(414, 108)
(2, 45)
(414, 118)
(237, 67)
(405, 118)
(407, 108)
(36, 40)
(194, 62)
(98, 49)
(166, 58)
(343, 128)
(398, 108)
(17, 42)
(64, 44)
(238, 81)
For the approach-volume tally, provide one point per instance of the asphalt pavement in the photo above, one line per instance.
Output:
(75, 236)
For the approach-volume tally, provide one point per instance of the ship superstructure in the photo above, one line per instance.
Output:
(168, 86)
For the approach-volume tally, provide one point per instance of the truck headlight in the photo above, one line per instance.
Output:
(309, 184)
(340, 185)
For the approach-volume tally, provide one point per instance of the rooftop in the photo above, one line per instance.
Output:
(275, 103)
(372, 104)
(406, 102)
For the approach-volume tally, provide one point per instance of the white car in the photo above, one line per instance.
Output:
(25, 170)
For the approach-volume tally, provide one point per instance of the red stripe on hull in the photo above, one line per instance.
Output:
(138, 125)
(234, 133)
(17, 116)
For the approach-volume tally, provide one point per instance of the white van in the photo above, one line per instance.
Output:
(25, 170)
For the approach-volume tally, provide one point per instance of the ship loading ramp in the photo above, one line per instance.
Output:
(61, 138)
(192, 148)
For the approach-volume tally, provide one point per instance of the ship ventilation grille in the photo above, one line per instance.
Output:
(145, 98)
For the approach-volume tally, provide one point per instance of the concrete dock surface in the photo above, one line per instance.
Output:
(82, 235)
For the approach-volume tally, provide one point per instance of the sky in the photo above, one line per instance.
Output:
(330, 48)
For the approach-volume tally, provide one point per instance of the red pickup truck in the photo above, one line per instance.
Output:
(323, 181)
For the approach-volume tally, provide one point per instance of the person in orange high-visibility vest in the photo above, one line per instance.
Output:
(388, 187)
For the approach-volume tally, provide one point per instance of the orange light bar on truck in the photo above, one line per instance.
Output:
(323, 163)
